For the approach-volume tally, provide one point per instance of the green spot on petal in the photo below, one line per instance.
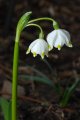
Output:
(69, 44)
(42, 55)
(28, 51)
(34, 54)
(59, 47)
(49, 47)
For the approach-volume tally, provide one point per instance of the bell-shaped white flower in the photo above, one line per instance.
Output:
(39, 46)
(58, 38)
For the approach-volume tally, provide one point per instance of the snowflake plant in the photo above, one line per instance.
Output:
(57, 38)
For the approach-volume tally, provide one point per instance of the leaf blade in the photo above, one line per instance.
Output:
(6, 108)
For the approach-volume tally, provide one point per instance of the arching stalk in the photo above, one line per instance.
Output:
(23, 22)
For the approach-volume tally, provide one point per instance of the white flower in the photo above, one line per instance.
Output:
(58, 38)
(39, 46)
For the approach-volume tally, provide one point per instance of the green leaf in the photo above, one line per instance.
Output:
(37, 79)
(43, 80)
(6, 108)
(23, 21)
(68, 92)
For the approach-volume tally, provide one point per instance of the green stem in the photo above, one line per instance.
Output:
(15, 78)
(41, 35)
(21, 25)
(68, 92)
(55, 24)
(15, 71)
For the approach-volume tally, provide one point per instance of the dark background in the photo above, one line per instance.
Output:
(64, 62)
(67, 13)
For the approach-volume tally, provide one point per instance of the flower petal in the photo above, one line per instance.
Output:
(32, 44)
(51, 37)
(58, 38)
(40, 47)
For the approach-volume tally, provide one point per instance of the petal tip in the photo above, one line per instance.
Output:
(70, 45)
(59, 47)
(28, 51)
(34, 54)
(42, 55)
(50, 48)
(47, 55)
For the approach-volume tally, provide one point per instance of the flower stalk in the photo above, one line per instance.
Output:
(41, 35)
(55, 24)
(15, 79)
(21, 24)
(39, 46)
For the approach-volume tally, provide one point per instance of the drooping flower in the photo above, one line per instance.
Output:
(58, 38)
(38, 46)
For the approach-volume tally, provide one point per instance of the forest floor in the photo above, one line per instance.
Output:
(40, 101)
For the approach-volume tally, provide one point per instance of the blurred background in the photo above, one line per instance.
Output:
(62, 64)
(66, 13)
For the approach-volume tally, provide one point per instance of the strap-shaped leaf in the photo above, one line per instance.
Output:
(68, 92)
(37, 79)
(43, 80)
(6, 108)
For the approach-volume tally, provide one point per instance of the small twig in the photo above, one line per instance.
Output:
(49, 108)
(58, 116)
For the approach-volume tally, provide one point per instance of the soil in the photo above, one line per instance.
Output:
(41, 102)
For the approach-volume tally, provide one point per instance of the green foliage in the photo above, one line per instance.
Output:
(6, 108)
(21, 25)
(43, 80)
(37, 79)
(68, 93)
